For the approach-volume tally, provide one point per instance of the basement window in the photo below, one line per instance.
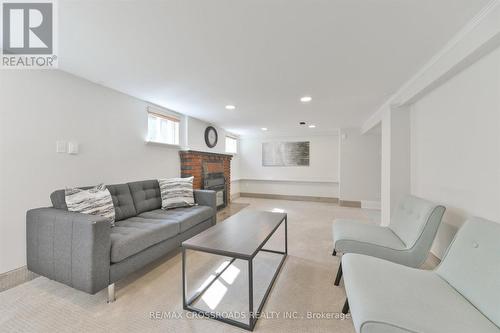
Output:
(231, 145)
(163, 128)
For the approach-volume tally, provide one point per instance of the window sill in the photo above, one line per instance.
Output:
(162, 144)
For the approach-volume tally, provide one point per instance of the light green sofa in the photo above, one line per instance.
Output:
(461, 296)
(407, 240)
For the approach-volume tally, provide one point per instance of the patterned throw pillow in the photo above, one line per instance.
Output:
(94, 201)
(176, 192)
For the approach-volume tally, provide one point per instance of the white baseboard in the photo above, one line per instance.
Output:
(288, 197)
(370, 204)
(15, 277)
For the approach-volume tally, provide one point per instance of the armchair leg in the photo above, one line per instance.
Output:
(345, 308)
(334, 253)
(111, 293)
(339, 275)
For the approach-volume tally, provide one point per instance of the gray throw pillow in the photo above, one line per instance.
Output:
(176, 192)
(94, 201)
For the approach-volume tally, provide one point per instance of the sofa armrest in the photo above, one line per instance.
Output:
(206, 198)
(68, 247)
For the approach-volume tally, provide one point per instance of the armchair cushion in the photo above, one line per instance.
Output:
(472, 265)
(387, 297)
(349, 236)
(410, 218)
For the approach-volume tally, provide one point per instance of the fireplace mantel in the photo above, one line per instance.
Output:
(208, 153)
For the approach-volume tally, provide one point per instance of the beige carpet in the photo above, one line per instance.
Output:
(304, 285)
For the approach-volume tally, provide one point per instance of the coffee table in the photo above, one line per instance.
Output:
(241, 236)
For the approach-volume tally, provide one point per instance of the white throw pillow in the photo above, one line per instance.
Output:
(94, 201)
(176, 192)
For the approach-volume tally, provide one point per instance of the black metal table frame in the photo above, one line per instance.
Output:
(253, 317)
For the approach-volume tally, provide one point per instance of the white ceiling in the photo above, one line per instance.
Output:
(196, 56)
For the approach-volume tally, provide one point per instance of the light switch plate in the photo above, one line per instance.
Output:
(61, 146)
(73, 148)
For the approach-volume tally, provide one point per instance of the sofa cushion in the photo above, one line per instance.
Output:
(122, 200)
(187, 217)
(135, 234)
(120, 193)
(387, 297)
(146, 195)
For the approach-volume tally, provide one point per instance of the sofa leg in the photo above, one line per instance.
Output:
(339, 275)
(111, 293)
(334, 253)
(345, 308)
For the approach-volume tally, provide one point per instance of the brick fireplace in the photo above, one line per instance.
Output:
(210, 171)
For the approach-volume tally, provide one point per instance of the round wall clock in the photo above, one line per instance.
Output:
(211, 136)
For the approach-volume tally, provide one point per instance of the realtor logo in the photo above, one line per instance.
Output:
(28, 34)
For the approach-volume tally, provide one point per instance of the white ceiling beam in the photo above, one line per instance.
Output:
(479, 37)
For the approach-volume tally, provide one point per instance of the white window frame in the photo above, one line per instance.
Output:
(164, 123)
(235, 142)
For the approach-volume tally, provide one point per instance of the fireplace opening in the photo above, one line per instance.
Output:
(216, 181)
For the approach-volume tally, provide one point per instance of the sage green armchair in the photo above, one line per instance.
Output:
(407, 240)
(462, 295)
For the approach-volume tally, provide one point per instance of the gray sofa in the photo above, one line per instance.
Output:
(85, 252)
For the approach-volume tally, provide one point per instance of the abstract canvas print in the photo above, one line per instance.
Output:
(285, 154)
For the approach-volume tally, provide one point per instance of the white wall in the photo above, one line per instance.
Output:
(385, 188)
(319, 179)
(395, 159)
(360, 166)
(295, 188)
(400, 156)
(196, 136)
(235, 174)
(40, 107)
(195, 140)
(455, 146)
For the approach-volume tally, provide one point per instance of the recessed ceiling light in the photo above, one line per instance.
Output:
(230, 107)
(306, 99)
(264, 128)
(312, 126)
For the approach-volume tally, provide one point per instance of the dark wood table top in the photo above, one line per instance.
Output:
(240, 236)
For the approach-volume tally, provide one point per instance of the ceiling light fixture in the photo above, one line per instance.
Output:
(264, 128)
(312, 126)
(230, 107)
(306, 99)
